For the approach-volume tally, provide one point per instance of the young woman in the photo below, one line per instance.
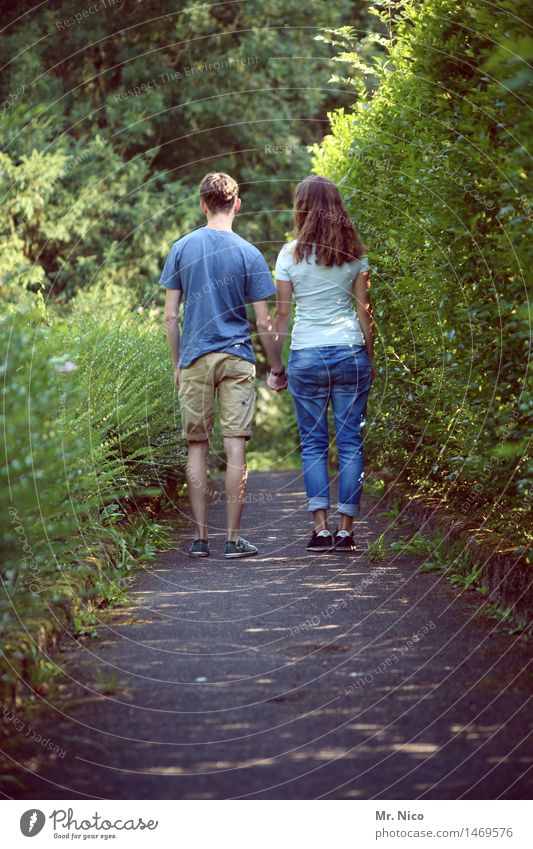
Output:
(331, 357)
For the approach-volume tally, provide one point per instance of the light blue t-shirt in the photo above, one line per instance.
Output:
(325, 314)
(218, 273)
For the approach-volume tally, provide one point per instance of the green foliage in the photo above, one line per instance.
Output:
(454, 560)
(91, 433)
(107, 683)
(129, 107)
(376, 550)
(417, 544)
(395, 509)
(376, 486)
(432, 162)
(79, 215)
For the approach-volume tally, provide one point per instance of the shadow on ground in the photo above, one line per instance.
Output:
(289, 675)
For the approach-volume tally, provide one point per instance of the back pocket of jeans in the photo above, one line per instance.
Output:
(303, 381)
(356, 371)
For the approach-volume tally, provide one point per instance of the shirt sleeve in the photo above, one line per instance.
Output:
(364, 265)
(170, 276)
(282, 265)
(259, 283)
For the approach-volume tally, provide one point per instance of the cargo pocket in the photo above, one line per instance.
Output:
(237, 397)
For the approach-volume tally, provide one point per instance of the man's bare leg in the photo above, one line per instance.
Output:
(236, 476)
(198, 486)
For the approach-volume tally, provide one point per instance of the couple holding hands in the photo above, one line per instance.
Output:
(216, 273)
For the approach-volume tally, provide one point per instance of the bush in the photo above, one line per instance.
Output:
(91, 433)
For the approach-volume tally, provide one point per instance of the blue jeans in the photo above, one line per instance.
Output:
(340, 374)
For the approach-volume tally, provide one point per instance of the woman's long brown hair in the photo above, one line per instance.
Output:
(322, 220)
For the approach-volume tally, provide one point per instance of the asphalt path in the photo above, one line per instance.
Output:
(288, 675)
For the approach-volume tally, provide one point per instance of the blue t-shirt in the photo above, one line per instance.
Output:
(218, 273)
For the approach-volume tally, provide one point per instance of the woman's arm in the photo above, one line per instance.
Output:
(282, 319)
(364, 313)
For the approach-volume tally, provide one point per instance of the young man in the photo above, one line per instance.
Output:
(216, 273)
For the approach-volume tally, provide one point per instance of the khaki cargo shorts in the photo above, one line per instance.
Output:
(232, 380)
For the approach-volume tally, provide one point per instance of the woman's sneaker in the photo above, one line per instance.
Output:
(199, 548)
(321, 541)
(239, 548)
(344, 541)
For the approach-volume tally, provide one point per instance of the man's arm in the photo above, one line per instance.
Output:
(172, 326)
(267, 334)
(365, 314)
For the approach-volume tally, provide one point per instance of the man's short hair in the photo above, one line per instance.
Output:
(219, 191)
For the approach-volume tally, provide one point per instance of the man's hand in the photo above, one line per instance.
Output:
(177, 377)
(277, 382)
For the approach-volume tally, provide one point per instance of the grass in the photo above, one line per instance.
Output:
(92, 444)
(377, 549)
(417, 544)
(107, 683)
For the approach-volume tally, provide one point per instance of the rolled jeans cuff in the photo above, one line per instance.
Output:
(318, 503)
(349, 509)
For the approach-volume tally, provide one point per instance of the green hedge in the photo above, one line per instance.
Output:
(92, 436)
(432, 163)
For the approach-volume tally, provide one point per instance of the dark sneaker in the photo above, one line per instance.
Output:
(321, 541)
(199, 548)
(239, 548)
(344, 541)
